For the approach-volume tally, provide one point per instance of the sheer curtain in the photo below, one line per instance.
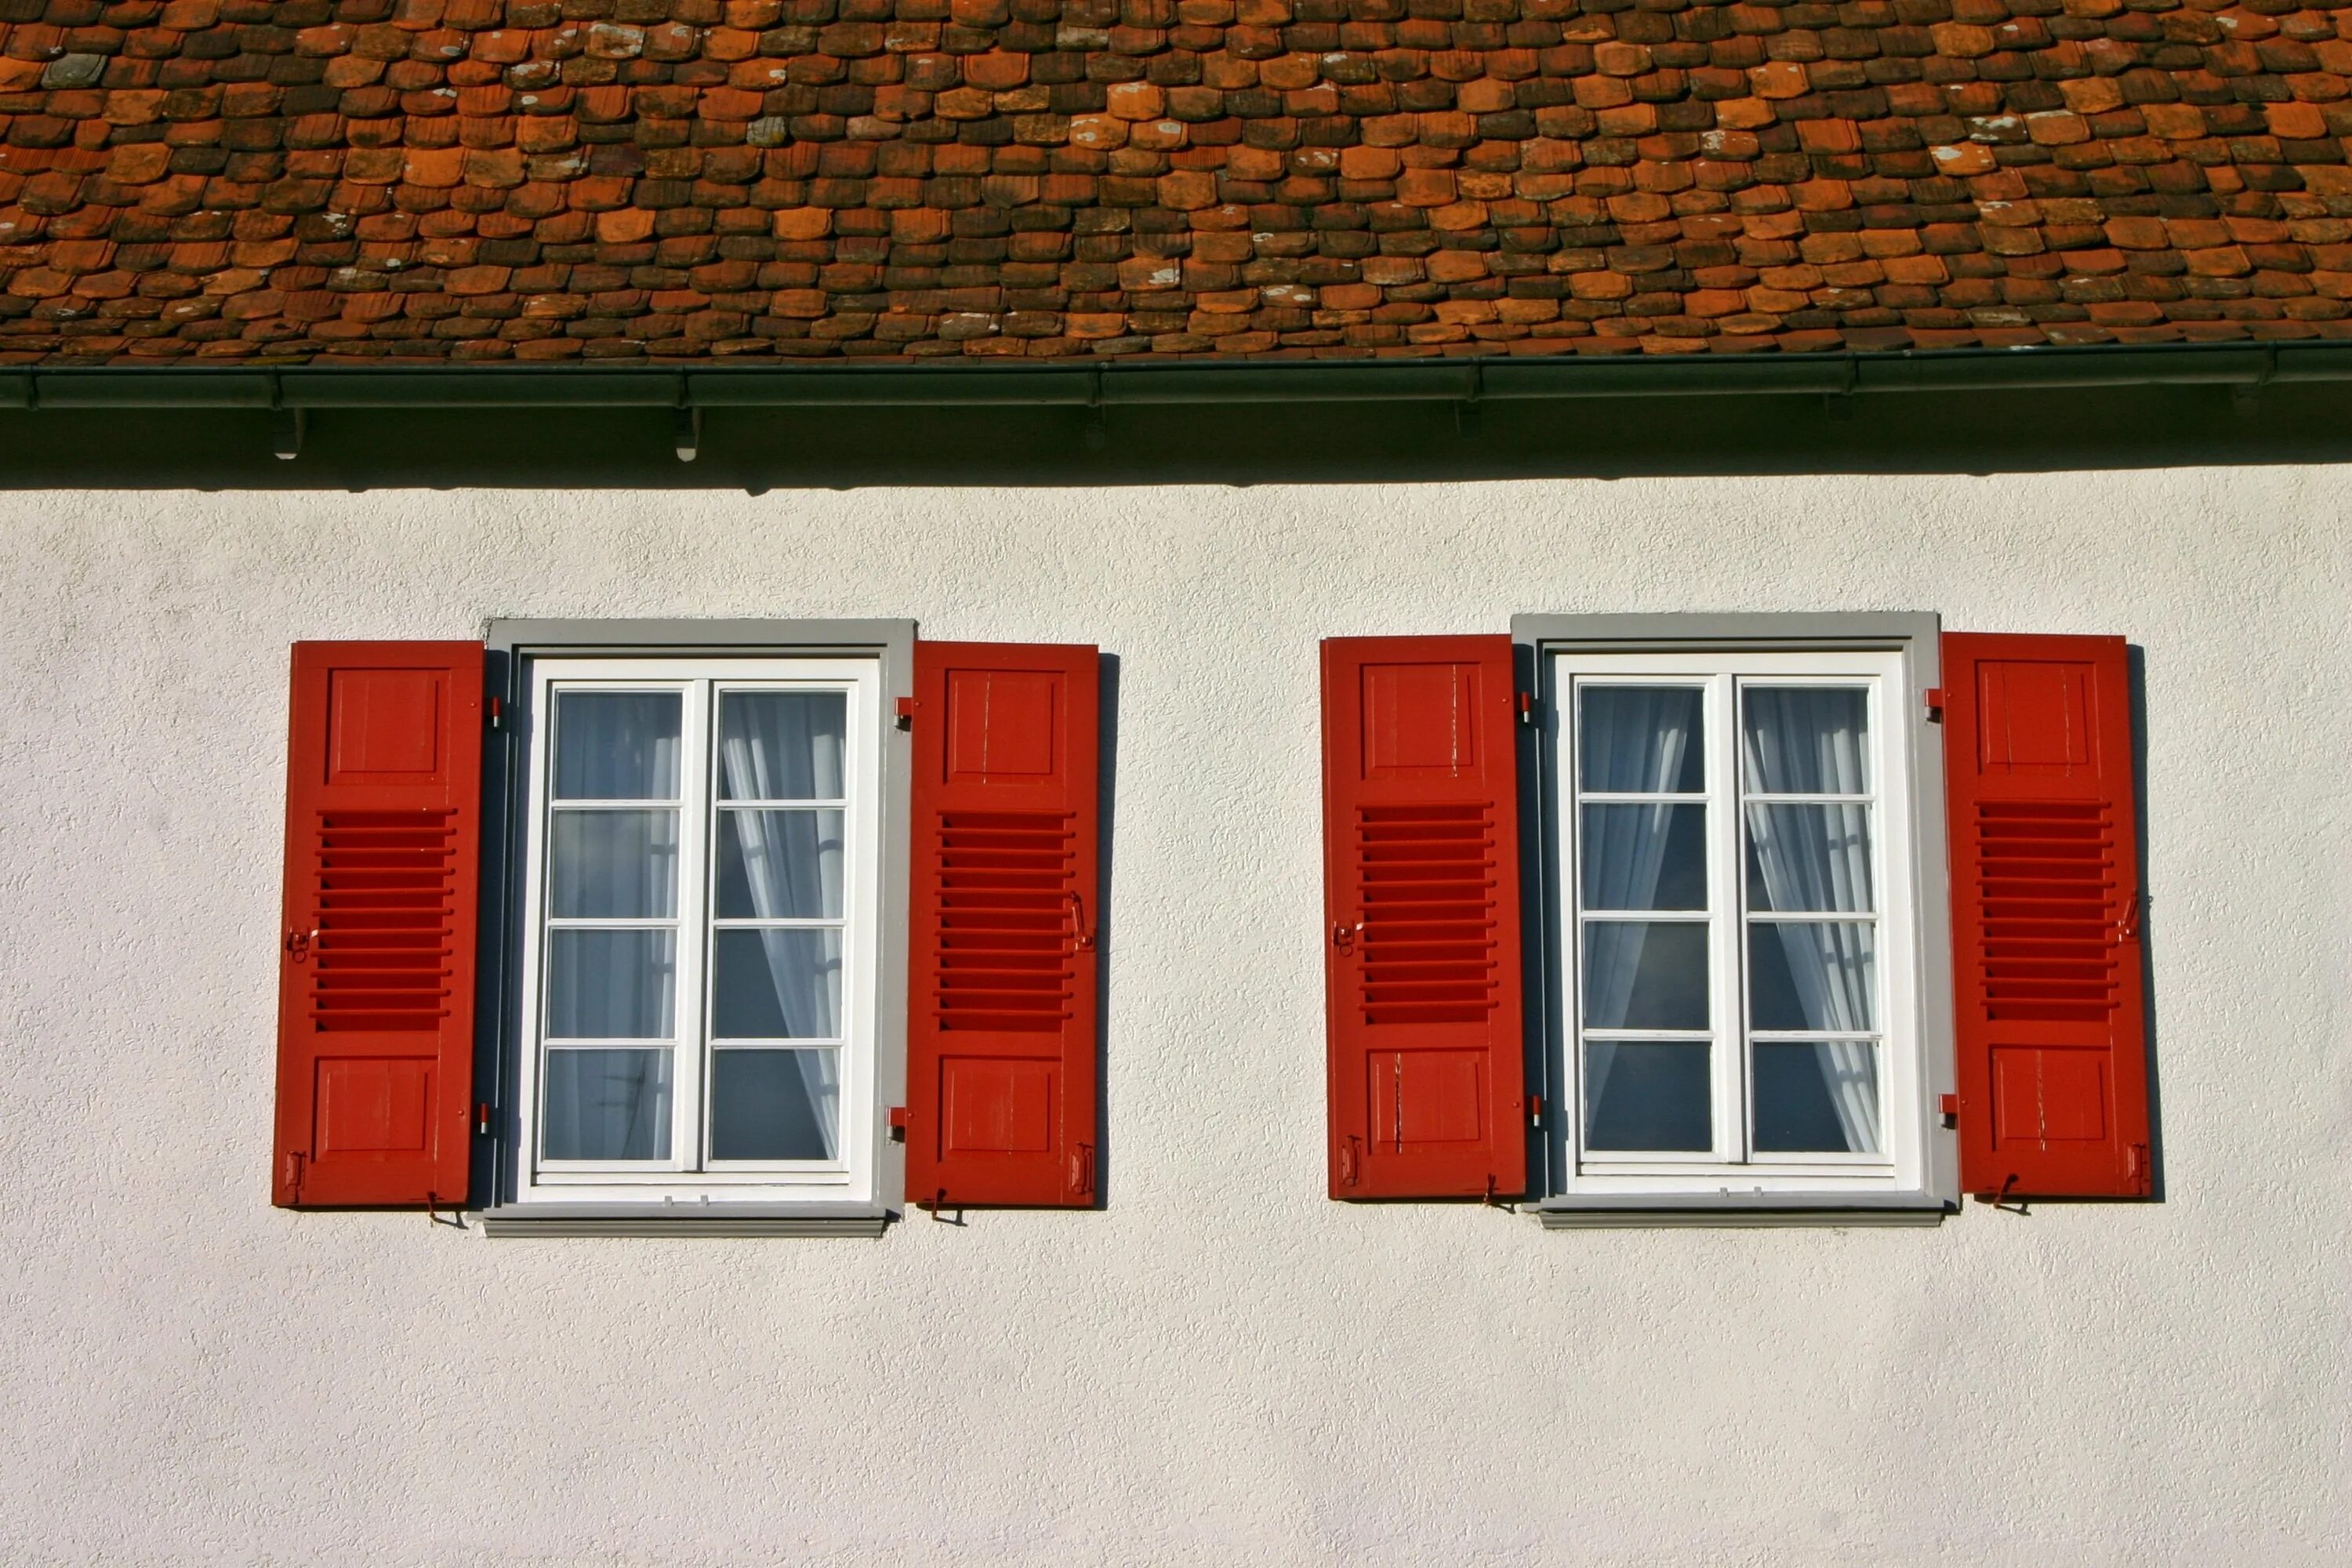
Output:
(1815, 859)
(787, 745)
(1633, 739)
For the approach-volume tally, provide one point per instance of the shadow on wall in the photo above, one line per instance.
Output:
(1238, 444)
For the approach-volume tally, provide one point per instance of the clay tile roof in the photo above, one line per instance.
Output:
(332, 181)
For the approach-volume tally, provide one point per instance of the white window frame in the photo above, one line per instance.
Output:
(850, 1178)
(1915, 1176)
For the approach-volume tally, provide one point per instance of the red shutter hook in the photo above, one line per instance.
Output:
(1078, 920)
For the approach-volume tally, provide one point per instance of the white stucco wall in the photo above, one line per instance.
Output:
(1221, 1367)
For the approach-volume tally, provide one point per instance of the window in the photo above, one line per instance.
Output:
(698, 964)
(1732, 837)
(743, 958)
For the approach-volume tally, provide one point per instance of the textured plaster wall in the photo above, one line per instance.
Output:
(1221, 1367)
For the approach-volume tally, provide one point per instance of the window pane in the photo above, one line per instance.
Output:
(782, 745)
(774, 1105)
(780, 865)
(1645, 858)
(1817, 1096)
(1809, 858)
(1807, 740)
(617, 745)
(776, 985)
(611, 865)
(611, 985)
(1813, 975)
(1647, 1095)
(1642, 739)
(1645, 974)
(607, 1105)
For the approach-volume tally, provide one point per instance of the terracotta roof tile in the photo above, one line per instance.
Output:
(549, 180)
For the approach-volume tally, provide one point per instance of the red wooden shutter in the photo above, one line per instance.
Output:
(375, 1001)
(1001, 1031)
(1421, 842)
(2052, 1033)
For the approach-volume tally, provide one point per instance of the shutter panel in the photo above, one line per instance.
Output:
(375, 1010)
(1421, 838)
(2052, 1029)
(1001, 1028)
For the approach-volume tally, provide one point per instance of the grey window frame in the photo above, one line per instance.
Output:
(1916, 637)
(512, 647)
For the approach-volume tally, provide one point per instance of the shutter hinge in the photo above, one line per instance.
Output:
(2137, 1169)
(1934, 698)
(1350, 1162)
(898, 1125)
(1082, 1169)
(293, 1173)
(905, 710)
(1949, 1107)
(1527, 707)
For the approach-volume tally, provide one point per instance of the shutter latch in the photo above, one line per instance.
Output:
(1343, 937)
(905, 710)
(1350, 1162)
(298, 944)
(898, 1125)
(1086, 938)
(1082, 1170)
(1535, 1111)
(2128, 928)
(1934, 698)
(1527, 707)
(1949, 1107)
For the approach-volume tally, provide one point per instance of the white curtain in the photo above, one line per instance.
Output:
(779, 745)
(1816, 859)
(1633, 739)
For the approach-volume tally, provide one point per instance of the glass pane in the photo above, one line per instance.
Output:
(782, 745)
(776, 985)
(607, 1105)
(611, 865)
(1645, 858)
(617, 745)
(611, 985)
(1813, 975)
(780, 865)
(774, 1105)
(1645, 974)
(1817, 1096)
(1809, 858)
(1807, 740)
(1642, 739)
(1647, 1095)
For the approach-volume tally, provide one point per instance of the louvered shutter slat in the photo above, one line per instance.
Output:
(1427, 1074)
(376, 1042)
(2052, 1029)
(1001, 1034)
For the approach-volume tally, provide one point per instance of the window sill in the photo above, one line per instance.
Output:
(1739, 1210)
(670, 1219)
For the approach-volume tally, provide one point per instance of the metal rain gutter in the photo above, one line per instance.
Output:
(299, 387)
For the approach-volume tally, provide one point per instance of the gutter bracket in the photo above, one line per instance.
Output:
(1839, 405)
(686, 429)
(1098, 425)
(286, 426)
(1469, 416)
(2246, 396)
